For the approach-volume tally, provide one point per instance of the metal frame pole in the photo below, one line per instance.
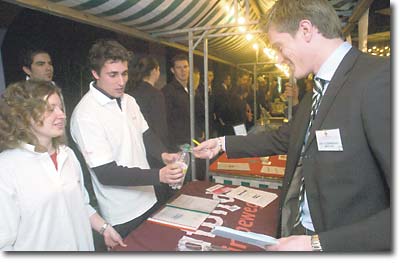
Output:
(206, 99)
(191, 97)
(255, 85)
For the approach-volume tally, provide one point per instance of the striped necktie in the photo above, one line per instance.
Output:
(316, 98)
(316, 101)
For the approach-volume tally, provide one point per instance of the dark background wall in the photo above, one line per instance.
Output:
(68, 43)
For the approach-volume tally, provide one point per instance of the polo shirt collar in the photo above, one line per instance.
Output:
(101, 96)
(31, 148)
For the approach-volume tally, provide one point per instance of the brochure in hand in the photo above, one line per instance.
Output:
(251, 238)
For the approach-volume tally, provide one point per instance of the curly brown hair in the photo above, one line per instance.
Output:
(22, 103)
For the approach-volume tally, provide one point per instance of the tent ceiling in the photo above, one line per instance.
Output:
(168, 21)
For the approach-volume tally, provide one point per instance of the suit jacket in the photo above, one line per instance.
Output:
(230, 108)
(200, 111)
(348, 192)
(177, 103)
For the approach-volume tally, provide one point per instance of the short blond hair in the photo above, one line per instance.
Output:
(285, 16)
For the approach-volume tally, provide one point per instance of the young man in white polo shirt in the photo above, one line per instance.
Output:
(111, 133)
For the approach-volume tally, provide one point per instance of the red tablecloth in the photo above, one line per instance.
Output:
(154, 237)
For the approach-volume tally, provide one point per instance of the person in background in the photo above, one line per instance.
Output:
(306, 85)
(336, 193)
(226, 83)
(221, 99)
(243, 88)
(44, 204)
(176, 94)
(141, 86)
(210, 79)
(230, 106)
(243, 83)
(142, 79)
(199, 120)
(272, 94)
(37, 65)
(111, 132)
(262, 90)
(199, 104)
(212, 116)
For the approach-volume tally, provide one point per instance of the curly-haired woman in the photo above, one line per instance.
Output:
(44, 205)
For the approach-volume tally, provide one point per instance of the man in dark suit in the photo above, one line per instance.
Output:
(229, 106)
(336, 189)
(177, 107)
(177, 104)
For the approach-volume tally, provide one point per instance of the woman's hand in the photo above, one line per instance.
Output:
(112, 238)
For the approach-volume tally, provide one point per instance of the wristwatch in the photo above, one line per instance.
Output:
(103, 228)
(315, 243)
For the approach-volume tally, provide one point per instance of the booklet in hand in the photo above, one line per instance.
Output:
(251, 238)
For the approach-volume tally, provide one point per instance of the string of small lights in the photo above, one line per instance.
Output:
(379, 51)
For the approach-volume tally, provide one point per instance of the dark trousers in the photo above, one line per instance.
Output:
(164, 192)
(200, 169)
(125, 228)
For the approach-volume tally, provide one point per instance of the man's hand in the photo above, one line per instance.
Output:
(169, 157)
(292, 243)
(171, 174)
(207, 149)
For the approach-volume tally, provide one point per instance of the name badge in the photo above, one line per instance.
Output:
(240, 130)
(329, 140)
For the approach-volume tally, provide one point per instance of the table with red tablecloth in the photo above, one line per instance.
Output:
(254, 176)
(150, 236)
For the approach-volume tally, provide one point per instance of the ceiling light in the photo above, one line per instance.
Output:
(242, 29)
